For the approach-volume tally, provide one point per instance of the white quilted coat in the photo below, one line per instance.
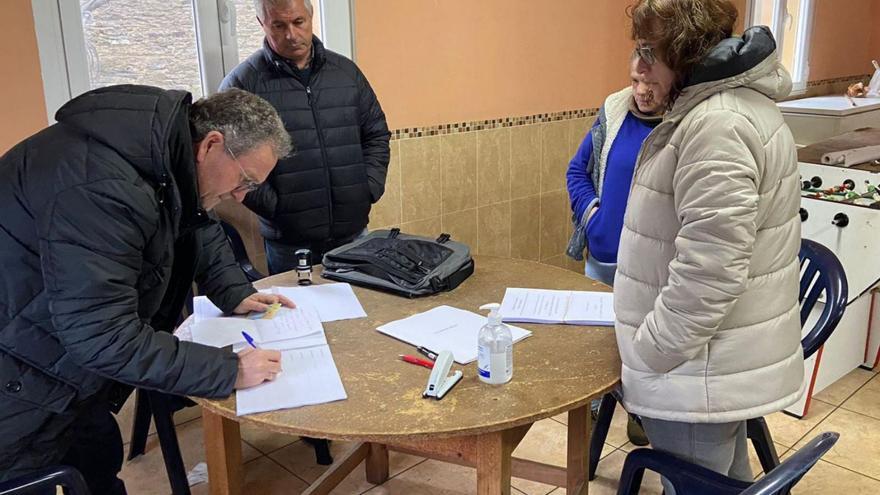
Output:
(707, 278)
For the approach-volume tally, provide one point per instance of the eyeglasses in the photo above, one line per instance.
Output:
(247, 183)
(646, 53)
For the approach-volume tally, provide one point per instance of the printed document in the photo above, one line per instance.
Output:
(558, 306)
(287, 324)
(445, 328)
(309, 376)
(333, 301)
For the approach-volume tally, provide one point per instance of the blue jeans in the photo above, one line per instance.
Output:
(280, 256)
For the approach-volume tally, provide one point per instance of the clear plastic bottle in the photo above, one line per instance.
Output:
(495, 349)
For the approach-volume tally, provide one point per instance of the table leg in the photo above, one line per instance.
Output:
(578, 464)
(493, 463)
(377, 464)
(223, 450)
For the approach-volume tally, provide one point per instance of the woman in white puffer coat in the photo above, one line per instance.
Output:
(706, 291)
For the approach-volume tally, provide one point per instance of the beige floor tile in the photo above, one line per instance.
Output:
(866, 400)
(126, 417)
(431, 478)
(546, 442)
(608, 477)
(859, 446)
(828, 478)
(842, 389)
(788, 430)
(146, 475)
(535, 488)
(757, 470)
(263, 477)
(616, 433)
(299, 458)
(264, 440)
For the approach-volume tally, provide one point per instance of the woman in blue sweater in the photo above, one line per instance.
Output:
(600, 174)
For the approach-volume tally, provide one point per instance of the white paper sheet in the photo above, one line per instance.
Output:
(333, 301)
(288, 324)
(309, 376)
(590, 308)
(558, 306)
(203, 308)
(445, 328)
(534, 305)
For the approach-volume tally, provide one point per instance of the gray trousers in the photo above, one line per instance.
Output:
(721, 447)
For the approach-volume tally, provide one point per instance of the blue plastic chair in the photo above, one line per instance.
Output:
(821, 271)
(691, 479)
(46, 480)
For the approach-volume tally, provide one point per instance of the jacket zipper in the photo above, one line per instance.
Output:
(326, 163)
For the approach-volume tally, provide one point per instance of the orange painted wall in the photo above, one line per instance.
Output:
(433, 61)
(23, 108)
(846, 36)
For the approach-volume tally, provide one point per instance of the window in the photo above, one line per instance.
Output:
(174, 44)
(791, 22)
(128, 41)
(248, 33)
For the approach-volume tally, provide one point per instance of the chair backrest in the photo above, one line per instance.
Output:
(47, 479)
(782, 478)
(820, 271)
(241, 256)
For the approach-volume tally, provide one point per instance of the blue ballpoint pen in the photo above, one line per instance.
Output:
(249, 339)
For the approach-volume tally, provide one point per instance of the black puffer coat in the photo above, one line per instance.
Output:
(87, 242)
(325, 190)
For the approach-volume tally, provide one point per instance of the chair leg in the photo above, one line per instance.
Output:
(758, 432)
(164, 418)
(322, 450)
(600, 432)
(140, 428)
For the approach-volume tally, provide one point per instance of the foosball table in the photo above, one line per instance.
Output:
(840, 208)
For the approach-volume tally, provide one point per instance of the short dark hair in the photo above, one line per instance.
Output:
(682, 31)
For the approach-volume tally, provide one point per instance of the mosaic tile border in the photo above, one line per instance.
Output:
(480, 125)
(540, 118)
(847, 79)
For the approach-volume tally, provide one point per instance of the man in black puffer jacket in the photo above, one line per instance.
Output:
(104, 229)
(320, 198)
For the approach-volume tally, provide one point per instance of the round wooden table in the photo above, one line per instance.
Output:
(560, 368)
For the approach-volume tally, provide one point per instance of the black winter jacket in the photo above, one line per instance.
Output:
(324, 191)
(88, 236)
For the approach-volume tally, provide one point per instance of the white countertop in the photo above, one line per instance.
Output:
(834, 106)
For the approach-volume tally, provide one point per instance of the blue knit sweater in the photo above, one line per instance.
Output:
(603, 229)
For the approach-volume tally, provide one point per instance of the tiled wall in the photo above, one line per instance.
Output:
(498, 186)
(501, 191)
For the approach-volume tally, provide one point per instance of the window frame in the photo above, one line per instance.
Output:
(64, 63)
(800, 70)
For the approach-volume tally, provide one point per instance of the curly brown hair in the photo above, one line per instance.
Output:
(682, 31)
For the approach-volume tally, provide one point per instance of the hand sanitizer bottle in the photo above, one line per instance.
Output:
(495, 349)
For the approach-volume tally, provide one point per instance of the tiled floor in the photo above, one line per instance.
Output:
(277, 464)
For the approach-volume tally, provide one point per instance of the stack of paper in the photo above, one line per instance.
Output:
(445, 328)
(558, 306)
(332, 301)
(287, 324)
(309, 374)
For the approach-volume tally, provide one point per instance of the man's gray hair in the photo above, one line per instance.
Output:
(261, 5)
(245, 120)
